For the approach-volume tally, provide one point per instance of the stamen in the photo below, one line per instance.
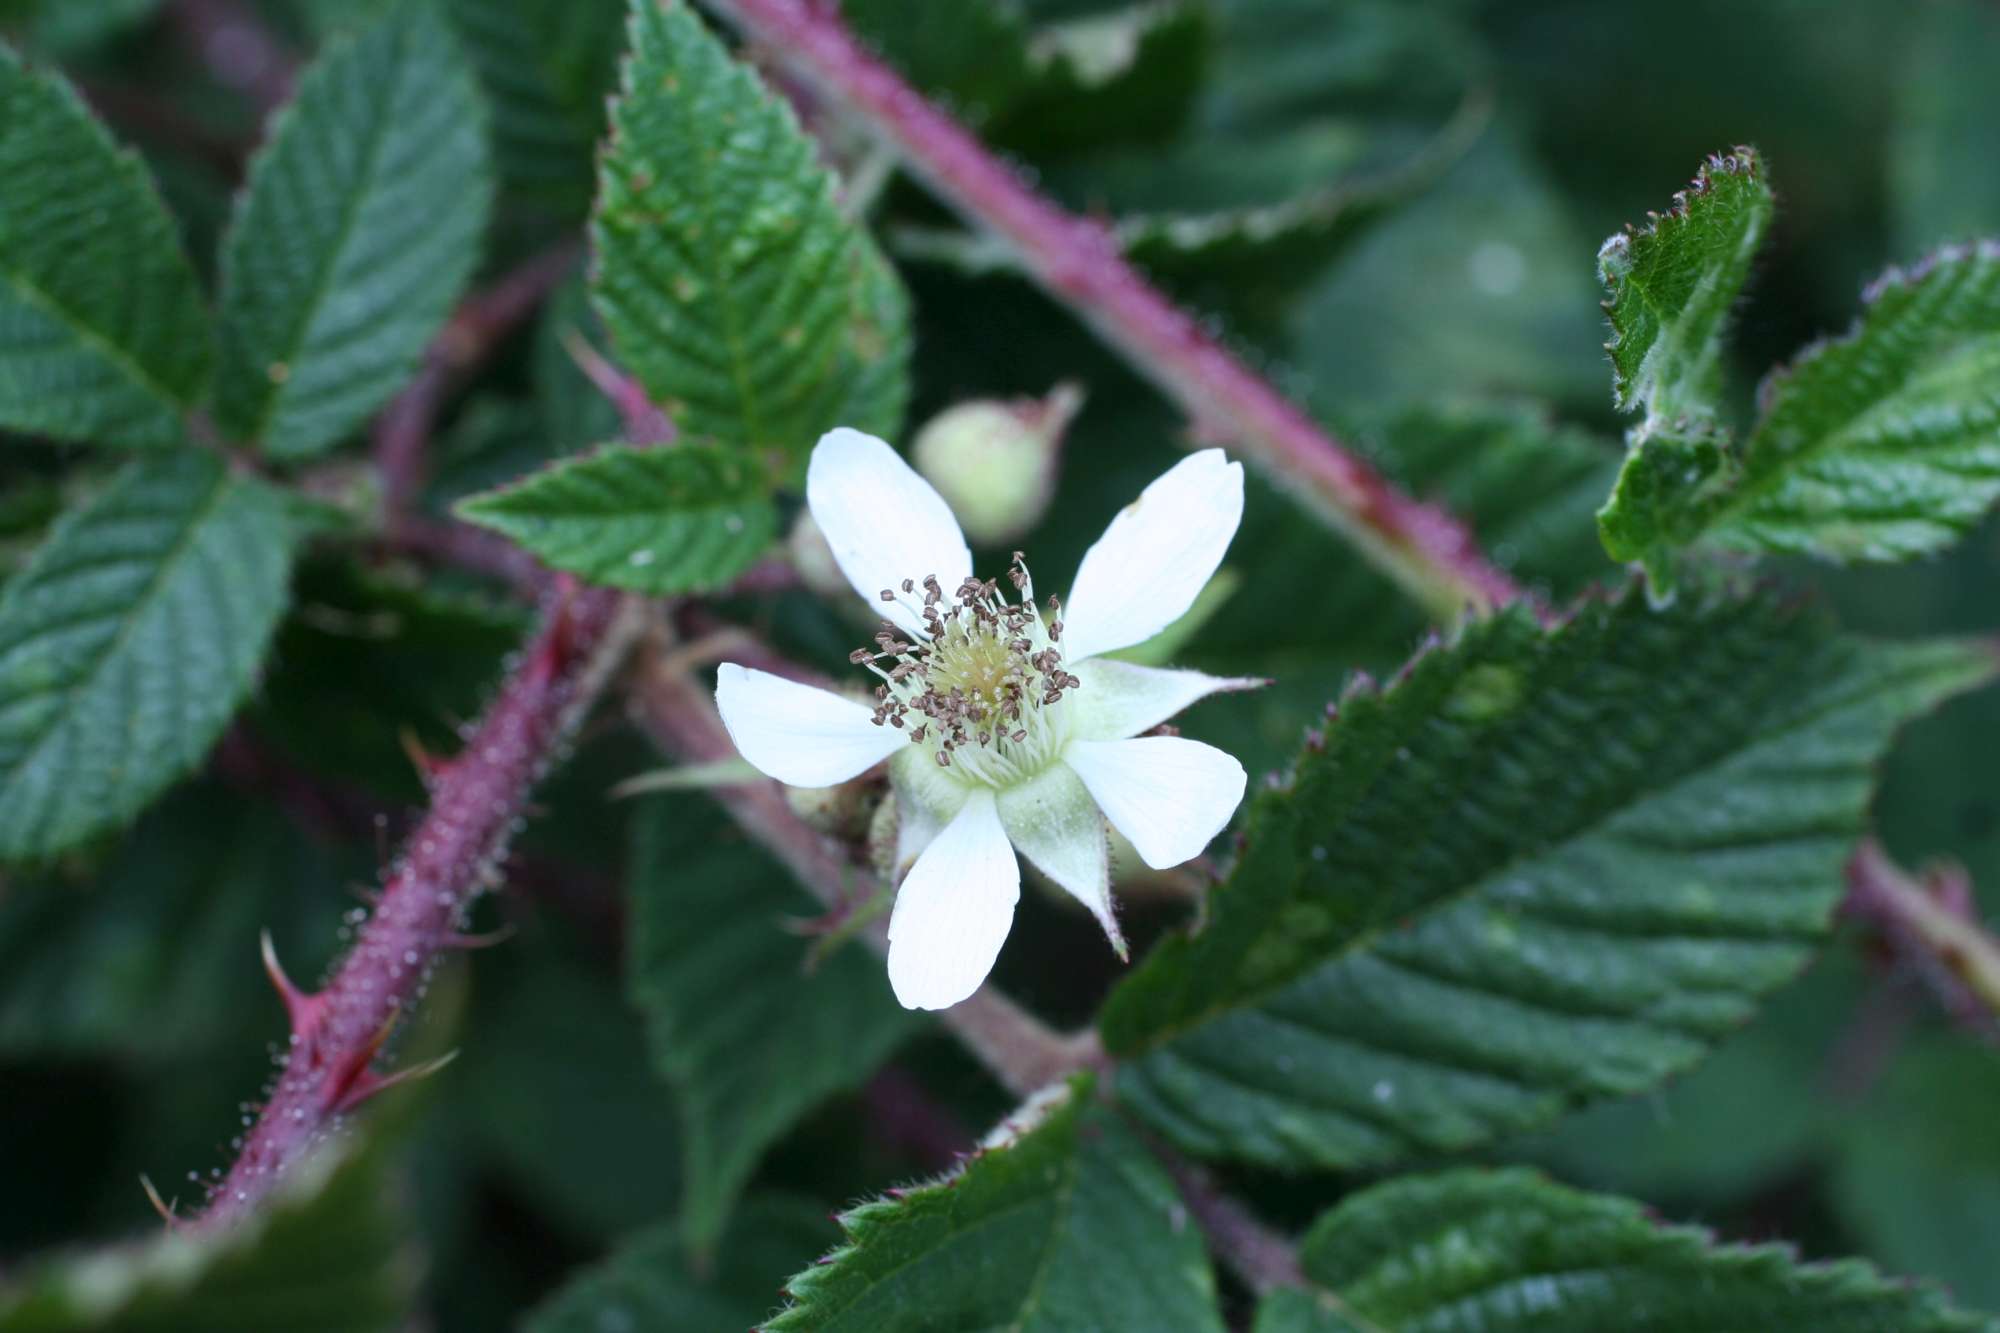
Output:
(982, 681)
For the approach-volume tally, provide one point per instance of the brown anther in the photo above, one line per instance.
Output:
(888, 594)
(1019, 736)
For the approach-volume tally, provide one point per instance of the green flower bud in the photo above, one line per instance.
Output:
(813, 559)
(995, 462)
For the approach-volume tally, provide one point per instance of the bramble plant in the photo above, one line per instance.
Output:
(1380, 890)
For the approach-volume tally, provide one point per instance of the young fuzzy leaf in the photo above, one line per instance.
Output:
(1674, 481)
(326, 1254)
(546, 66)
(653, 520)
(749, 308)
(1672, 286)
(358, 229)
(104, 336)
(748, 1038)
(1883, 444)
(646, 1283)
(1508, 1252)
(1067, 1224)
(1542, 867)
(128, 641)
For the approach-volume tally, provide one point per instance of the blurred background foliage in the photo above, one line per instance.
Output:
(1393, 208)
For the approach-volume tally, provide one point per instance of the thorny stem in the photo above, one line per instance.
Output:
(678, 712)
(1078, 261)
(1931, 925)
(477, 800)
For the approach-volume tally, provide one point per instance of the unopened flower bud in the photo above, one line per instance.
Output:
(841, 810)
(813, 558)
(995, 462)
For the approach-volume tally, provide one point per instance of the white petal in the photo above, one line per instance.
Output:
(797, 733)
(1149, 565)
(1168, 795)
(954, 910)
(883, 522)
(1053, 822)
(1120, 699)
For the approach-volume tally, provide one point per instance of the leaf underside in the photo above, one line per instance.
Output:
(328, 1229)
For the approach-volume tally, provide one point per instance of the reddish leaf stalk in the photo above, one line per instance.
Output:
(477, 799)
(479, 324)
(1930, 923)
(1078, 261)
(1262, 1258)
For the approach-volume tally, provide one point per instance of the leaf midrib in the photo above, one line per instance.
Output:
(87, 679)
(378, 131)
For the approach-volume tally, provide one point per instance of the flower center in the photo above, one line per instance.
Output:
(979, 689)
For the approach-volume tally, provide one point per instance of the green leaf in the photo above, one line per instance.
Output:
(749, 1040)
(656, 520)
(1068, 1223)
(358, 229)
(749, 308)
(1674, 481)
(1916, 1178)
(1883, 444)
(646, 1284)
(368, 660)
(972, 56)
(128, 642)
(151, 961)
(1529, 489)
(104, 336)
(576, 414)
(1129, 73)
(1542, 867)
(1944, 184)
(595, 1150)
(546, 67)
(1507, 1250)
(70, 30)
(327, 1253)
(1672, 286)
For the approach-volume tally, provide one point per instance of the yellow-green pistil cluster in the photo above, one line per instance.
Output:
(981, 692)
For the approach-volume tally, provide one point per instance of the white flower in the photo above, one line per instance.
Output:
(1005, 726)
